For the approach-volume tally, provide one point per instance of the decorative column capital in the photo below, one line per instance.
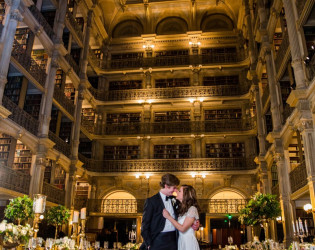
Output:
(278, 156)
(16, 15)
(305, 125)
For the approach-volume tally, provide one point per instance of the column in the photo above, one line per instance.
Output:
(139, 219)
(195, 71)
(8, 37)
(295, 44)
(70, 188)
(148, 78)
(198, 145)
(251, 44)
(38, 169)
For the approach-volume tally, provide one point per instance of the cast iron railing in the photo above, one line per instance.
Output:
(74, 25)
(42, 21)
(63, 100)
(298, 177)
(226, 206)
(282, 51)
(73, 64)
(54, 194)
(170, 165)
(275, 190)
(14, 180)
(60, 144)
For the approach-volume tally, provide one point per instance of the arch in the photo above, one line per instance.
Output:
(226, 201)
(119, 201)
(128, 28)
(216, 22)
(171, 26)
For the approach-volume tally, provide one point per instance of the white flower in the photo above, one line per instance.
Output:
(9, 227)
(3, 226)
(23, 232)
(15, 231)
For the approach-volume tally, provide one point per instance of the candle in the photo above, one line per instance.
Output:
(39, 206)
(306, 229)
(83, 213)
(301, 225)
(75, 218)
(297, 226)
(293, 226)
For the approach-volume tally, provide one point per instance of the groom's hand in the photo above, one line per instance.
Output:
(196, 225)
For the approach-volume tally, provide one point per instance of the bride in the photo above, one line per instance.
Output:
(188, 213)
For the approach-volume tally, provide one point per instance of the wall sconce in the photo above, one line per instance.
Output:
(147, 176)
(279, 219)
(193, 175)
(308, 208)
(148, 47)
(194, 44)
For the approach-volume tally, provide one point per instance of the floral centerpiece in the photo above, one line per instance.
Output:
(57, 216)
(260, 208)
(19, 209)
(15, 234)
(64, 243)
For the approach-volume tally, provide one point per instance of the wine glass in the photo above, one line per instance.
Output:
(230, 240)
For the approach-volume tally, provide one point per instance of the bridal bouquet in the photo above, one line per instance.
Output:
(15, 233)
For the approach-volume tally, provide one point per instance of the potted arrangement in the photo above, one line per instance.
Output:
(260, 209)
(57, 216)
(19, 209)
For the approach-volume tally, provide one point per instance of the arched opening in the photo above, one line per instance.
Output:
(171, 25)
(120, 202)
(128, 28)
(216, 22)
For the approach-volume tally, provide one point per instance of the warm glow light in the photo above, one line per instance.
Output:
(150, 101)
(201, 99)
(312, 47)
(137, 176)
(193, 175)
(203, 176)
(147, 176)
(279, 219)
(41, 217)
(201, 228)
(152, 46)
(199, 43)
(190, 43)
(308, 207)
(140, 101)
(191, 100)
(144, 46)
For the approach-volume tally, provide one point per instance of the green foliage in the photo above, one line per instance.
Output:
(261, 207)
(58, 215)
(19, 209)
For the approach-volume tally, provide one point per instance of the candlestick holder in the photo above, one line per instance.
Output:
(74, 231)
(82, 233)
(301, 234)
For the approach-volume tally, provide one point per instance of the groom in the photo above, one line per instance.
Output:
(157, 232)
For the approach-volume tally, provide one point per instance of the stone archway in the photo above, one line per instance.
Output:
(119, 202)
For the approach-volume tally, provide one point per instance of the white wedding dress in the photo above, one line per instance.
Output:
(187, 240)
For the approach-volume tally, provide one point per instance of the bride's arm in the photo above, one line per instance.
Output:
(183, 228)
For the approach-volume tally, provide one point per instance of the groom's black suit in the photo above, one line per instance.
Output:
(153, 223)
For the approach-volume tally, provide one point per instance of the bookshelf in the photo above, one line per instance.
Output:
(220, 80)
(294, 154)
(5, 146)
(40, 58)
(88, 116)
(60, 77)
(54, 118)
(225, 150)
(121, 152)
(127, 56)
(60, 177)
(82, 189)
(65, 131)
(69, 91)
(277, 40)
(2, 13)
(274, 175)
(32, 104)
(21, 36)
(171, 116)
(300, 213)
(123, 118)
(48, 169)
(172, 53)
(179, 151)
(123, 85)
(264, 81)
(172, 82)
(223, 114)
(22, 158)
(268, 118)
(13, 88)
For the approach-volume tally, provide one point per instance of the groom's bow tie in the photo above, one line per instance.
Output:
(169, 197)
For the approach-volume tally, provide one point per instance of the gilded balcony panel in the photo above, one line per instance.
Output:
(170, 165)
(14, 180)
(226, 206)
(298, 177)
(54, 194)
(21, 117)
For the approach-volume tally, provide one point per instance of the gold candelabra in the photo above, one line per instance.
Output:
(74, 231)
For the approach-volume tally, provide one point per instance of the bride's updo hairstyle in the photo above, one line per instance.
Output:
(189, 199)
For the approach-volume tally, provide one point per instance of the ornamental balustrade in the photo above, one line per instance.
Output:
(80, 202)
(132, 206)
(14, 180)
(73, 64)
(74, 25)
(60, 144)
(42, 21)
(166, 93)
(171, 165)
(275, 190)
(298, 177)
(60, 97)
(20, 116)
(284, 47)
(167, 61)
(54, 194)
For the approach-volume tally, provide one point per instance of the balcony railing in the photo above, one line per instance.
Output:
(60, 145)
(298, 177)
(73, 64)
(28, 63)
(74, 25)
(167, 61)
(165, 93)
(63, 100)
(132, 206)
(54, 194)
(300, 6)
(21, 117)
(265, 96)
(275, 190)
(42, 21)
(14, 180)
(171, 165)
(212, 126)
(282, 51)
(287, 111)
(80, 202)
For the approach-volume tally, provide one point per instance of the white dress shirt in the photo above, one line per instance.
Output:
(169, 207)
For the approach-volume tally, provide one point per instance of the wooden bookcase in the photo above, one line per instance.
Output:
(274, 175)
(60, 77)
(60, 177)
(69, 91)
(300, 213)
(123, 118)
(88, 116)
(123, 85)
(13, 88)
(223, 114)
(32, 104)
(121, 152)
(82, 189)
(127, 56)
(171, 116)
(225, 150)
(5, 146)
(268, 118)
(264, 81)
(172, 82)
(172, 53)
(22, 158)
(48, 169)
(220, 80)
(21, 36)
(40, 58)
(277, 40)
(2, 12)
(180, 151)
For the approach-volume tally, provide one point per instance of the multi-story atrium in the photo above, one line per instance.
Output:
(100, 98)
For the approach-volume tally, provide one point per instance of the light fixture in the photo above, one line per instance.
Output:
(279, 219)
(140, 101)
(194, 44)
(193, 175)
(312, 47)
(149, 47)
(147, 176)
(203, 176)
(201, 99)
(137, 176)
(150, 101)
(308, 208)
(191, 100)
